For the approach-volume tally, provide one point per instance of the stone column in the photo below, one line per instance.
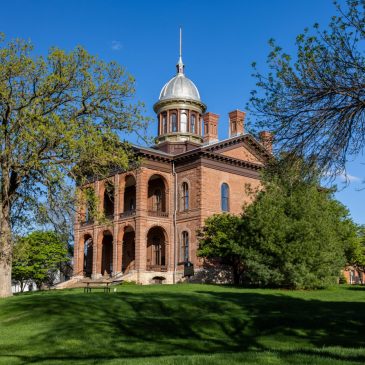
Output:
(119, 238)
(121, 188)
(115, 225)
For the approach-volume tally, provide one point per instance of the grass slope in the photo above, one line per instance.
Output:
(184, 324)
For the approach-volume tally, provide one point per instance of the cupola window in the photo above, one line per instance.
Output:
(173, 122)
(183, 122)
(164, 123)
(192, 123)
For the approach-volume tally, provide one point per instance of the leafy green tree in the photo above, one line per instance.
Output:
(293, 235)
(61, 118)
(313, 101)
(220, 239)
(38, 257)
(355, 252)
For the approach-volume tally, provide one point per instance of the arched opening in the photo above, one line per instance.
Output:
(107, 254)
(129, 195)
(129, 247)
(89, 205)
(157, 202)
(225, 197)
(156, 249)
(88, 255)
(184, 196)
(109, 200)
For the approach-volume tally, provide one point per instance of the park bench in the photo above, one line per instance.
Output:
(97, 285)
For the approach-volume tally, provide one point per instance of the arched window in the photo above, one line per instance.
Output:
(164, 123)
(225, 197)
(192, 123)
(184, 247)
(109, 200)
(173, 122)
(183, 122)
(184, 196)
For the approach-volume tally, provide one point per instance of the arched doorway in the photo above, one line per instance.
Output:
(128, 255)
(88, 255)
(107, 254)
(156, 249)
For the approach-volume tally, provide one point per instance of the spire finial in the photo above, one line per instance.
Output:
(180, 42)
(180, 65)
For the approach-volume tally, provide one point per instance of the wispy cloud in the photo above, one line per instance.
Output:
(116, 45)
(349, 178)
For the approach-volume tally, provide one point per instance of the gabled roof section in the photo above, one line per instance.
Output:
(246, 140)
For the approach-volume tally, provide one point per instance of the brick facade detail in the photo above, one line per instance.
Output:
(158, 208)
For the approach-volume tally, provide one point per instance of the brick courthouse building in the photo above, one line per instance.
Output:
(152, 213)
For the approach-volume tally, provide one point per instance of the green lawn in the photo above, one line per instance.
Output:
(184, 324)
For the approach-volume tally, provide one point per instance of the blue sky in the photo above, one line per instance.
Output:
(221, 39)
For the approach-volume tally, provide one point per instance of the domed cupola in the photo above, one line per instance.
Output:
(179, 109)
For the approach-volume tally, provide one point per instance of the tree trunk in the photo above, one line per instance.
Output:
(5, 251)
(237, 271)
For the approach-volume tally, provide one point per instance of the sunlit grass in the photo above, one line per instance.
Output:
(184, 324)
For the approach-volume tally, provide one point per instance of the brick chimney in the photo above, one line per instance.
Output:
(210, 128)
(236, 122)
(266, 139)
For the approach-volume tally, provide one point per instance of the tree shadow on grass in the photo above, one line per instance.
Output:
(160, 323)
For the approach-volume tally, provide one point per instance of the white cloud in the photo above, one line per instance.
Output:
(116, 45)
(349, 178)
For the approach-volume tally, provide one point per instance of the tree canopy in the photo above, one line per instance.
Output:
(61, 120)
(38, 257)
(293, 235)
(313, 101)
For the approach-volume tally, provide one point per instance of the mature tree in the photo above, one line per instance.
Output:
(314, 102)
(60, 118)
(293, 235)
(38, 257)
(220, 239)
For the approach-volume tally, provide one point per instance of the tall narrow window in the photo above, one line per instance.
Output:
(184, 248)
(192, 123)
(173, 122)
(184, 196)
(225, 197)
(183, 122)
(164, 123)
